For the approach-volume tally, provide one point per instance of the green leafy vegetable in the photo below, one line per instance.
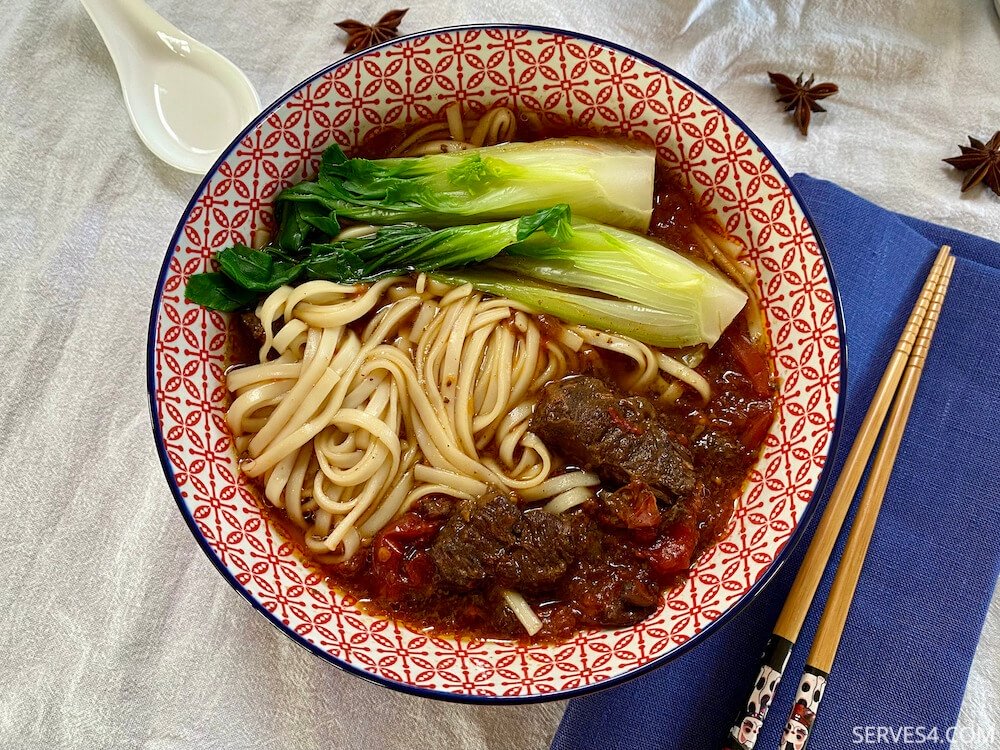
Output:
(333, 261)
(257, 270)
(637, 286)
(641, 322)
(217, 292)
(610, 181)
(248, 273)
(631, 267)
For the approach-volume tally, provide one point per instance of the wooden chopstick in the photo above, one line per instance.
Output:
(743, 734)
(838, 603)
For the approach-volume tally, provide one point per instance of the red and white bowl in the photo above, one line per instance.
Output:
(590, 82)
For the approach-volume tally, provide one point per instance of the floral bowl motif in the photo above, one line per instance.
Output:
(589, 82)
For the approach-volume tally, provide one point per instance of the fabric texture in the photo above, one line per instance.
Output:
(935, 554)
(115, 629)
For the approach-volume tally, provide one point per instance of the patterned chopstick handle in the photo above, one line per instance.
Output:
(804, 710)
(743, 735)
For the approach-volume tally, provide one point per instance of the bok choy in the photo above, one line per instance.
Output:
(245, 274)
(695, 302)
(643, 289)
(668, 328)
(582, 272)
(607, 180)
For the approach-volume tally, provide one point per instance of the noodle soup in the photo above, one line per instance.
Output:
(467, 464)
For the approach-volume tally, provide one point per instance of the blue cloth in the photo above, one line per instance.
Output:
(935, 555)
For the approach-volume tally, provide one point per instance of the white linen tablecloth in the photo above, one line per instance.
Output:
(115, 630)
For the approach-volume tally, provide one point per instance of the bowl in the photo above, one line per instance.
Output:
(591, 82)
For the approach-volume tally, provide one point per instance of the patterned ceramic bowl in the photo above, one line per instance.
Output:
(590, 82)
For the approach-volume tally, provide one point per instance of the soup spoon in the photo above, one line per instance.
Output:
(186, 101)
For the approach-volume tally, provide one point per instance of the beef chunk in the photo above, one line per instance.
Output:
(251, 324)
(719, 453)
(492, 540)
(435, 507)
(622, 439)
(614, 591)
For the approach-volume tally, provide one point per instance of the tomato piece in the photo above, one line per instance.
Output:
(560, 620)
(673, 549)
(387, 558)
(636, 506)
(644, 513)
(410, 527)
(756, 430)
(419, 569)
(392, 574)
(752, 362)
(631, 508)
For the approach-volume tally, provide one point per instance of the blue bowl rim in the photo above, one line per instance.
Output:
(755, 589)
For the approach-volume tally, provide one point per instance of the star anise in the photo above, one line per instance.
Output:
(362, 36)
(981, 161)
(801, 97)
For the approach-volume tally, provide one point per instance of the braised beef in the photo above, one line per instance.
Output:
(718, 453)
(491, 539)
(611, 586)
(621, 438)
(436, 507)
(252, 327)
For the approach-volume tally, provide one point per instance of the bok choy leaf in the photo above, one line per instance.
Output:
(667, 328)
(634, 268)
(610, 181)
(411, 247)
(246, 273)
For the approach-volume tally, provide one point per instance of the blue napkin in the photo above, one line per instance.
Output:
(935, 556)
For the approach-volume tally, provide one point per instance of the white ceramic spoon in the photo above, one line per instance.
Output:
(186, 101)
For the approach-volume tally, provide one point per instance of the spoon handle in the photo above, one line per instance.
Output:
(118, 19)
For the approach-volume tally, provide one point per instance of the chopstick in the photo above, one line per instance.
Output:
(838, 603)
(743, 735)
